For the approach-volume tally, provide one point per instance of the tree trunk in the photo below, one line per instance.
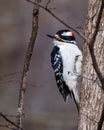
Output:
(92, 95)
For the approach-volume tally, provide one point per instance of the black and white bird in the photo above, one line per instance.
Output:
(66, 59)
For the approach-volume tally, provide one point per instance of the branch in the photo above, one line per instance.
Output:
(40, 85)
(7, 126)
(28, 55)
(49, 1)
(91, 46)
(9, 74)
(100, 123)
(61, 21)
(11, 122)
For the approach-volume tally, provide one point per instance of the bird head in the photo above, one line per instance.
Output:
(65, 36)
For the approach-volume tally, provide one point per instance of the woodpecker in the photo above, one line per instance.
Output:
(66, 60)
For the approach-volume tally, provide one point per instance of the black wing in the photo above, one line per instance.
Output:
(57, 65)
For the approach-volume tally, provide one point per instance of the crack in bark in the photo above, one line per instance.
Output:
(100, 123)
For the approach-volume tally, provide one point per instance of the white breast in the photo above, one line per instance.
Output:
(68, 53)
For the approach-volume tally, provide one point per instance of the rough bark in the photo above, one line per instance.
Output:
(92, 95)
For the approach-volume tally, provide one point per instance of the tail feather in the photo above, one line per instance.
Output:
(76, 102)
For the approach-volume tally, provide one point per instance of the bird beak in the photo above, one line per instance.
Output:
(50, 36)
(55, 36)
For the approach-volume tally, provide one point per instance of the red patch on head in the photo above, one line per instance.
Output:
(72, 34)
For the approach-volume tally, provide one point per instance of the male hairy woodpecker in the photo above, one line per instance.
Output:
(66, 59)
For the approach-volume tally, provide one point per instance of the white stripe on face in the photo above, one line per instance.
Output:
(66, 34)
